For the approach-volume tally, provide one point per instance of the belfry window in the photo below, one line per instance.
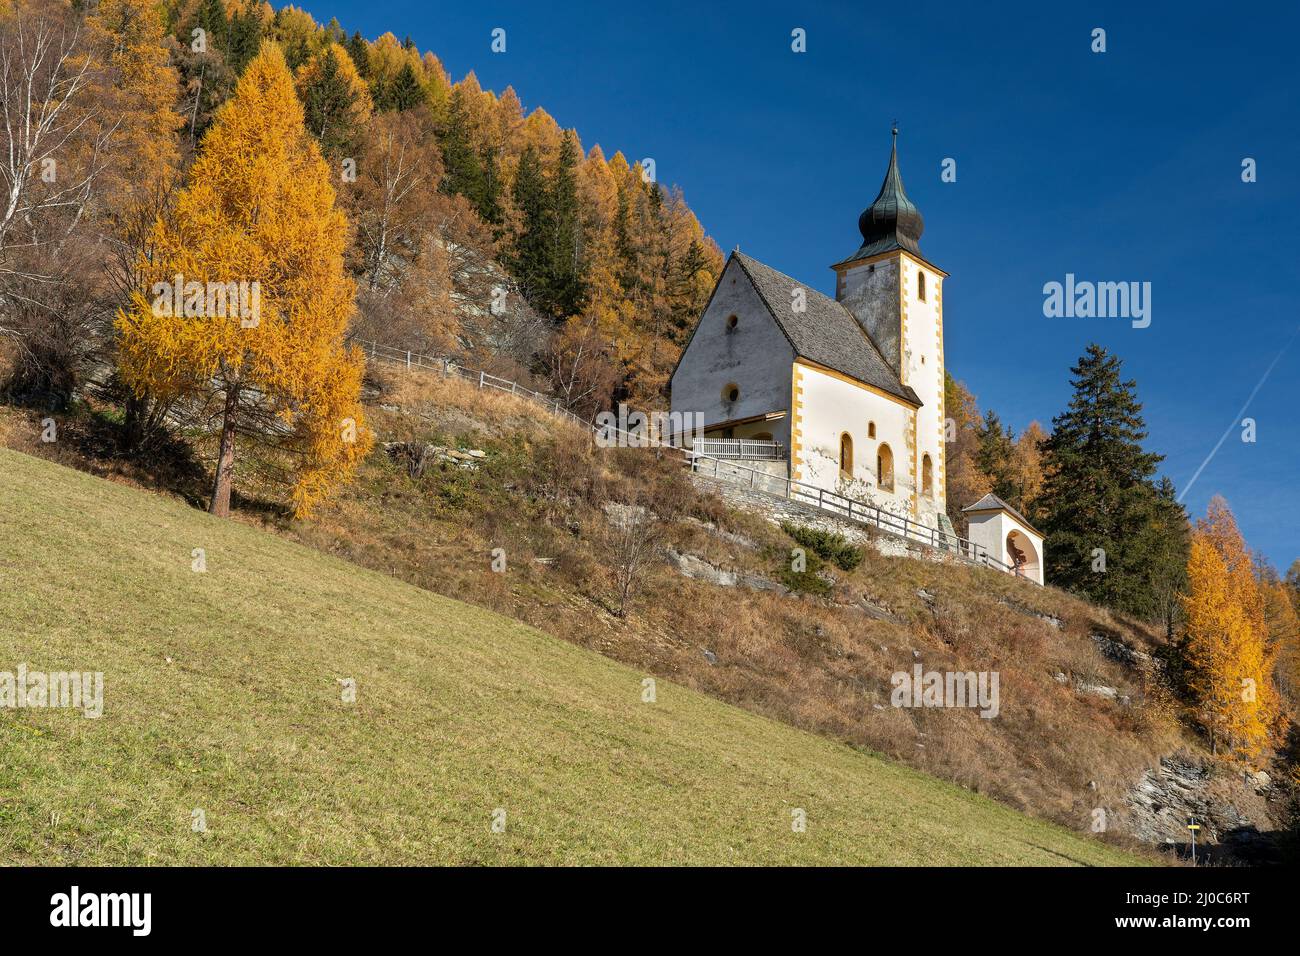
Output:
(927, 477)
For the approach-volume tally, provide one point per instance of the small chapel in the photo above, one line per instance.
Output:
(842, 393)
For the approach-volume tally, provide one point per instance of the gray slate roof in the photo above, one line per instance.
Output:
(827, 333)
(992, 502)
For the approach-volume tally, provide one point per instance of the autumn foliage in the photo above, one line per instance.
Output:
(1226, 643)
(258, 208)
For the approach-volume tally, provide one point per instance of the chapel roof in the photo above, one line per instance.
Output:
(826, 333)
(992, 502)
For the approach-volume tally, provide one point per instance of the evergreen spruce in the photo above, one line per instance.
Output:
(530, 261)
(463, 167)
(244, 38)
(1107, 524)
(359, 50)
(995, 457)
(405, 92)
(567, 291)
(330, 107)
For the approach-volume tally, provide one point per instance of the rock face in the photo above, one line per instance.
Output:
(693, 566)
(1231, 815)
(417, 456)
(688, 565)
(1116, 650)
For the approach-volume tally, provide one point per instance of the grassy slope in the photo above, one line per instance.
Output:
(459, 711)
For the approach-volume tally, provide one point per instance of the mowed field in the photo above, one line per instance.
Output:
(224, 693)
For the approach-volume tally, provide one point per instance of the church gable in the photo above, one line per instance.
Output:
(735, 343)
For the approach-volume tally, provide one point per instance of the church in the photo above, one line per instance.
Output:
(844, 394)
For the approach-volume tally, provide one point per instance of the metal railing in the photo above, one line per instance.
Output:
(848, 509)
(744, 449)
(811, 496)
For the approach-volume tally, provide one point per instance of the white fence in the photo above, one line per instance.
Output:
(744, 449)
(810, 496)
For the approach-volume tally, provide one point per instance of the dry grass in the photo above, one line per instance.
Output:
(222, 694)
(820, 665)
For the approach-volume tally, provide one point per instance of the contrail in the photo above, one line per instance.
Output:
(1233, 424)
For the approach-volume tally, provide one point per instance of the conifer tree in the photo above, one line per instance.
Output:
(1292, 581)
(405, 92)
(336, 103)
(530, 259)
(1225, 644)
(996, 458)
(567, 288)
(463, 167)
(244, 38)
(359, 50)
(211, 17)
(1283, 626)
(259, 208)
(965, 482)
(1104, 522)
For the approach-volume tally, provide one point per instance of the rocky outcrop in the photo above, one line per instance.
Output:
(1104, 691)
(693, 566)
(1232, 812)
(418, 456)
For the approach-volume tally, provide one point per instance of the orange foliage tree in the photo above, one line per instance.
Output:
(1226, 644)
(258, 212)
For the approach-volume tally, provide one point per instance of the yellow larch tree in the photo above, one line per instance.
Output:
(258, 210)
(142, 98)
(1225, 640)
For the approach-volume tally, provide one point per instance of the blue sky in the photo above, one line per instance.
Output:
(1118, 166)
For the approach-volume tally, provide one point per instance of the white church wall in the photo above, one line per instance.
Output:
(754, 355)
(923, 371)
(828, 405)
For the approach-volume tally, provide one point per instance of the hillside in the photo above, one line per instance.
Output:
(222, 694)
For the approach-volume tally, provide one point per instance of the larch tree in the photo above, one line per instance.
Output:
(1225, 643)
(257, 224)
(965, 482)
(1283, 626)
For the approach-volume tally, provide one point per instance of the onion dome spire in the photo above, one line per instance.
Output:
(892, 221)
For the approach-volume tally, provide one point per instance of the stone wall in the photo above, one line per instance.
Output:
(777, 510)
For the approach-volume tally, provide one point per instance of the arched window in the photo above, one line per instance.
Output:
(730, 392)
(920, 286)
(846, 455)
(927, 477)
(871, 429)
(885, 468)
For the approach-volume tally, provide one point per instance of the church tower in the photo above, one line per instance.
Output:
(896, 294)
